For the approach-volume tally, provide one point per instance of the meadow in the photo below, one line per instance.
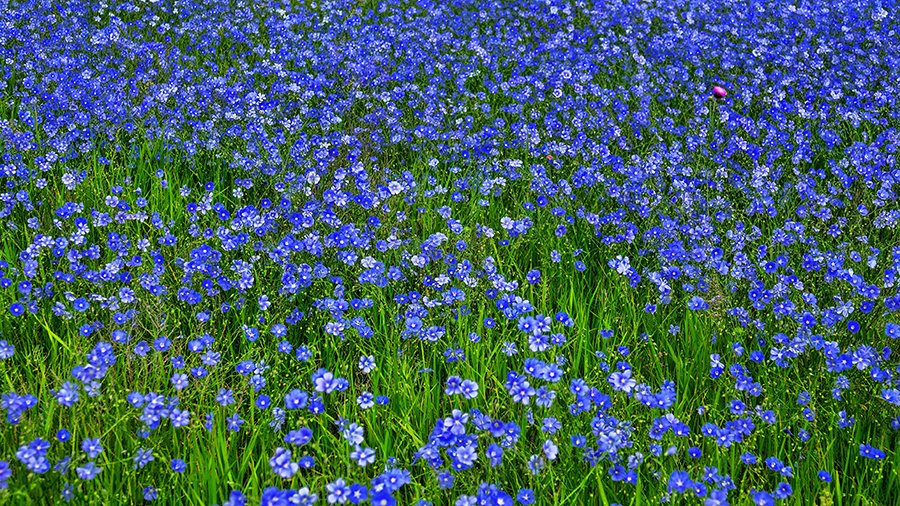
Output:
(455, 253)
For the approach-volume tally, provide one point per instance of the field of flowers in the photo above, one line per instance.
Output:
(457, 253)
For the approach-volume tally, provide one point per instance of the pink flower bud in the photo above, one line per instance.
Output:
(719, 92)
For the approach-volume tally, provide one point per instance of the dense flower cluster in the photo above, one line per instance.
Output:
(352, 245)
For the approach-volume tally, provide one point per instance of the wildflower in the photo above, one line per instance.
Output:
(869, 451)
(282, 465)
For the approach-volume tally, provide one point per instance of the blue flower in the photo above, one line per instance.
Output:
(262, 401)
(697, 304)
(282, 465)
(91, 447)
(88, 471)
(869, 451)
(142, 457)
(5, 474)
(338, 492)
(150, 493)
(178, 465)
(525, 496)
